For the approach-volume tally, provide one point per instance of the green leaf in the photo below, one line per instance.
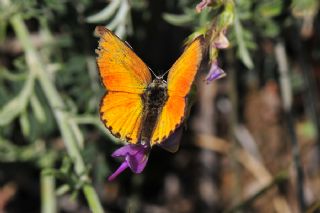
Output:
(242, 48)
(270, 8)
(4, 73)
(25, 123)
(77, 132)
(37, 109)
(18, 104)
(271, 29)
(120, 18)
(226, 18)
(179, 20)
(104, 14)
(65, 188)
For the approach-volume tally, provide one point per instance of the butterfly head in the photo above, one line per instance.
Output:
(159, 83)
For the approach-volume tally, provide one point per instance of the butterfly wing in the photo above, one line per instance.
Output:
(126, 77)
(180, 79)
(122, 114)
(120, 68)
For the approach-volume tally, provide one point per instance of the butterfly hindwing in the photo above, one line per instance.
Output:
(180, 79)
(169, 119)
(120, 68)
(121, 112)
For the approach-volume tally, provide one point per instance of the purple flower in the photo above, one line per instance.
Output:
(221, 42)
(134, 156)
(215, 72)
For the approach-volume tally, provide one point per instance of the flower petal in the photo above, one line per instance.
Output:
(215, 72)
(221, 42)
(138, 162)
(121, 168)
(126, 150)
(135, 157)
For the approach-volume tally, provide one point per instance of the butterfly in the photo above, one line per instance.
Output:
(137, 108)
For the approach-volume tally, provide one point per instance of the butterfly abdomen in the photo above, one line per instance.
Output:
(154, 98)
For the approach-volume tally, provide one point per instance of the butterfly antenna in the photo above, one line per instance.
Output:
(153, 72)
(164, 73)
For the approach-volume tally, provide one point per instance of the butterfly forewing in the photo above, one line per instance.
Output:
(120, 68)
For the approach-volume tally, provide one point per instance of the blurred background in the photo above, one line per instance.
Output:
(252, 138)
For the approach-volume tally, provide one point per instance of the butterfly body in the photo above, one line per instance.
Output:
(154, 98)
(136, 108)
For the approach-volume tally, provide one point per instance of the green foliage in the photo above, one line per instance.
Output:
(248, 15)
(117, 15)
(18, 104)
(73, 182)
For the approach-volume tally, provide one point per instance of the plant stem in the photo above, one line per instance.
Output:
(48, 199)
(58, 107)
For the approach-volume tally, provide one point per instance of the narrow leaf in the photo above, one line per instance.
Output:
(37, 109)
(243, 50)
(25, 123)
(18, 104)
(178, 20)
(104, 14)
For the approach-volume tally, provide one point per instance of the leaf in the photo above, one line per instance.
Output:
(120, 17)
(179, 20)
(271, 29)
(25, 123)
(37, 109)
(76, 132)
(65, 188)
(242, 48)
(226, 18)
(270, 8)
(18, 104)
(4, 73)
(104, 14)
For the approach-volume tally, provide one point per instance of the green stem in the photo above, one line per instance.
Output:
(57, 105)
(48, 199)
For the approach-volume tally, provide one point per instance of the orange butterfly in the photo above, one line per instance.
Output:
(136, 108)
